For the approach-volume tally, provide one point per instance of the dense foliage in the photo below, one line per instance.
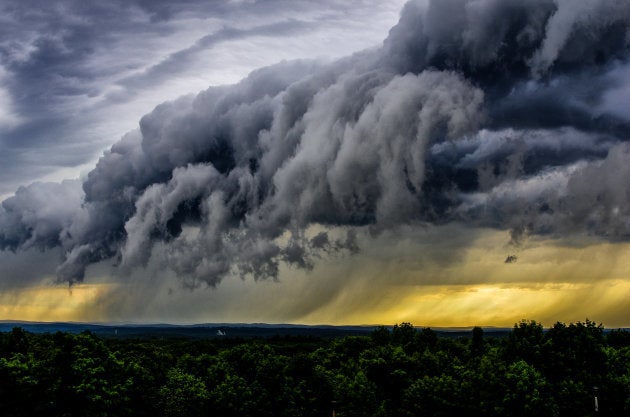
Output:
(398, 372)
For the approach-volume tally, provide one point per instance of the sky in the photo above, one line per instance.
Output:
(444, 163)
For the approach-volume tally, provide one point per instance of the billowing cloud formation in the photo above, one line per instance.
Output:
(496, 113)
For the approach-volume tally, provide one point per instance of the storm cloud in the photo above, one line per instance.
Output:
(501, 114)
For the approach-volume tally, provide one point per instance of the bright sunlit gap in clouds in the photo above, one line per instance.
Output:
(551, 281)
(53, 303)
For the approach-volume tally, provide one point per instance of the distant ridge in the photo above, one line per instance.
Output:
(219, 330)
(202, 330)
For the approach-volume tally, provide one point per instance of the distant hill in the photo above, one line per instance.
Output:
(218, 330)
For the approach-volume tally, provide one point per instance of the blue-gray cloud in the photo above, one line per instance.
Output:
(66, 66)
(181, 59)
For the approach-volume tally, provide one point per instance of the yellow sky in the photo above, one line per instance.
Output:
(405, 276)
(52, 302)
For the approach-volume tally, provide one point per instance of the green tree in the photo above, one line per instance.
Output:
(404, 335)
(21, 392)
(183, 394)
(439, 395)
(575, 362)
(381, 336)
(526, 392)
(477, 344)
(525, 342)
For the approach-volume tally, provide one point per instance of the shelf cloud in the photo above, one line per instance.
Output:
(498, 114)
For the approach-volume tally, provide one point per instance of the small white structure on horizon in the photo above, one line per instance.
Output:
(220, 332)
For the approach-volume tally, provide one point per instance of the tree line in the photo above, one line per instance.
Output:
(402, 371)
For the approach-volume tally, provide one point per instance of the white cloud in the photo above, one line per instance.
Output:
(8, 117)
(87, 106)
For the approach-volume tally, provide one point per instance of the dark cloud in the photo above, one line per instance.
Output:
(28, 267)
(492, 113)
(37, 215)
(511, 259)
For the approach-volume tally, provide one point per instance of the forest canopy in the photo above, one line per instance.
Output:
(399, 371)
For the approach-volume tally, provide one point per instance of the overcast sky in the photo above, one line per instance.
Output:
(76, 75)
(444, 162)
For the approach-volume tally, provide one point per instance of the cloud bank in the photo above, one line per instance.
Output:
(500, 114)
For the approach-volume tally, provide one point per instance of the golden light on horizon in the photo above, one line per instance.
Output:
(490, 305)
(550, 281)
(53, 303)
(391, 281)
